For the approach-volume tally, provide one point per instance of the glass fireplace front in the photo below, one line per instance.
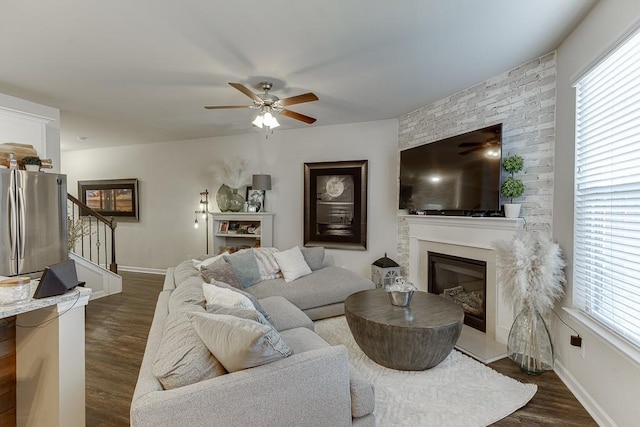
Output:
(463, 281)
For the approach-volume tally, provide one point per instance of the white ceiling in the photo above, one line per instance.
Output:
(129, 72)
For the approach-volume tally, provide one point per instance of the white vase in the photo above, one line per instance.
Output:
(32, 168)
(512, 210)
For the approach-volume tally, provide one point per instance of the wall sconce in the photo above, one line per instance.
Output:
(204, 212)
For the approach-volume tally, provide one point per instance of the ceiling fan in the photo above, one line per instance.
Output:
(477, 146)
(268, 104)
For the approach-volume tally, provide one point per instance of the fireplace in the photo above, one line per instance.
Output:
(463, 281)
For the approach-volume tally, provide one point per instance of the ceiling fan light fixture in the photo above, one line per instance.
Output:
(257, 122)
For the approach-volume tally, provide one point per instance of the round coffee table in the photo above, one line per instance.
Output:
(411, 338)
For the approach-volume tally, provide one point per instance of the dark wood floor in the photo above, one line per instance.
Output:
(116, 333)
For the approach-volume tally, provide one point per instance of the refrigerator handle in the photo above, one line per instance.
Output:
(22, 221)
(13, 223)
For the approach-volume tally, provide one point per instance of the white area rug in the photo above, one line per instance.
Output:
(458, 392)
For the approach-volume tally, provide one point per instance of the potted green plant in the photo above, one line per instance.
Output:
(32, 163)
(512, 187)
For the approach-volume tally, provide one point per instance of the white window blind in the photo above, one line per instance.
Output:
(606, 283)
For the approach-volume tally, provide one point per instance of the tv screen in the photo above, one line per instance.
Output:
(457, 176)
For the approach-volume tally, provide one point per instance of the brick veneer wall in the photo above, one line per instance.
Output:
(524, 101)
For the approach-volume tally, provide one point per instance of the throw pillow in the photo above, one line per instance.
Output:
(217, 295)
(207, 260)
(188, 293)
(314, 257)
(292, 264)
(239, 343)
(269, 268)
(221, 271)
(182, 358)
(243, 313)
(245, 266)
(253, 299)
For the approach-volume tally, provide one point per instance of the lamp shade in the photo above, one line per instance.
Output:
(261, 182)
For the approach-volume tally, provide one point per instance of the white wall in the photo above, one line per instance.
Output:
(607, 382)
(173, 174)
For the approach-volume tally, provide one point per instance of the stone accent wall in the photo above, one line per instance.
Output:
(524, 101)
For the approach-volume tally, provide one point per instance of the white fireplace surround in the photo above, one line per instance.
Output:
(467, 237)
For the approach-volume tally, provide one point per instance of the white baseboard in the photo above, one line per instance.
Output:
(133, 269)
(592, 407)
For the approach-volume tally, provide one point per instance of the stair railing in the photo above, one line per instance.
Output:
(91, 234)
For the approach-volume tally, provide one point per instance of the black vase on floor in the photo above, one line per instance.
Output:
(529, 344)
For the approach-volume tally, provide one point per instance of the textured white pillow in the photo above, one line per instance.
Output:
(200, 264)
(269, 268)
(221, 296)
(292, 264)
(239, 343)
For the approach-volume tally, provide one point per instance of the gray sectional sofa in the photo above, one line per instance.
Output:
(316, 386)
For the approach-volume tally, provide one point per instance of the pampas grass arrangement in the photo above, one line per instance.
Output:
(234, 172)
(530, 270)
(531, 274)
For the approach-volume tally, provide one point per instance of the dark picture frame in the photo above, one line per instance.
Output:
(255, 199)
(335, 204)
(111, 197)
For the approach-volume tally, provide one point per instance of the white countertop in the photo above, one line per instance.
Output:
(77, 296)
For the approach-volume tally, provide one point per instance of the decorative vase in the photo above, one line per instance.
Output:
(32, 168)
(529, 344)
(236, 201)
(223, 197)
(512, 210)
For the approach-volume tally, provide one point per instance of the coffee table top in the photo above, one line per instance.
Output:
(425, 311)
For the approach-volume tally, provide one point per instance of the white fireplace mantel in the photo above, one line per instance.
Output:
(468, 237)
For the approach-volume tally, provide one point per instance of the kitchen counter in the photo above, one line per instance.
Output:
(50, 358)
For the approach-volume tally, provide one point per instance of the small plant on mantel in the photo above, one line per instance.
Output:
(512, 187)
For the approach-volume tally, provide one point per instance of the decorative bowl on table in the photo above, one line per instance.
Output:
(400, 292)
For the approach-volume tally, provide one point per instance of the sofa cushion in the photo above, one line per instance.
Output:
(283, 315)
(267, 264)
(239, 343)
(245, 266)
(221, 296)
(222, 272)
(243, 313)
(329, 285)
(254, 300)
(183, 271)
(188, 293)
(362, 394)
(182, 358)
(292, 264)
(314, 257)
(206, 260)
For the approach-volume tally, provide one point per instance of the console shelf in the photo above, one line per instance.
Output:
(242, 229)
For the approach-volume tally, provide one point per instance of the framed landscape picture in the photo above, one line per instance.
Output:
(111, 197)
(335, 204)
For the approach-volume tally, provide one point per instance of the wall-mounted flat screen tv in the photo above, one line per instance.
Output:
(459, 175)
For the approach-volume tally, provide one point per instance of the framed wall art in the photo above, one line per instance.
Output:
(111, 197)
(335, 204)
(255, 200)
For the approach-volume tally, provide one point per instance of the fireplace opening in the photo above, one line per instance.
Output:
(463, 281)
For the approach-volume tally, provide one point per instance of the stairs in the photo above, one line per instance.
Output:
(101, 281)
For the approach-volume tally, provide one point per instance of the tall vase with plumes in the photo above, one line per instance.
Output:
(223, 197)
(236, 201)
(529, 344)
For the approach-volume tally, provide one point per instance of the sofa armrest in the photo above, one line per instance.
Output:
(310, 389)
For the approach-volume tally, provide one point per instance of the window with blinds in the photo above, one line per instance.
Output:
(606, 283)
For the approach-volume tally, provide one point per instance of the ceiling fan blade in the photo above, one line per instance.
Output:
(246, 91)
(470, 150)
(298, 116)
(220, 107)
(299, 99)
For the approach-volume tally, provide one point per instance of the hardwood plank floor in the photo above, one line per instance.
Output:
(116, 335)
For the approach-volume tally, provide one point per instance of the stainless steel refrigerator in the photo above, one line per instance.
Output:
(33, 221)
